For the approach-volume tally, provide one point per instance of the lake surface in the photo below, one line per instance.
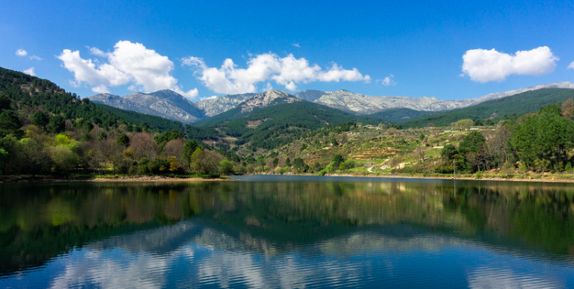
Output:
(288, 232)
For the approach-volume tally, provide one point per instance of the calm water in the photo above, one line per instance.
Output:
(264, 232)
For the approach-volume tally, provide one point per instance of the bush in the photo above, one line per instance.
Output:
(205, 162)
(347, 165)
(226, 167)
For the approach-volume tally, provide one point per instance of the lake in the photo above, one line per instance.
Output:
(288, 232)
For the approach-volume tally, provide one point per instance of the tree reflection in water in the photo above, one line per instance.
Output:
(274, 218)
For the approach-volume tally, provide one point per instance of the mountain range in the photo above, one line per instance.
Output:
(397, 109)
(272, 118)
(163, 103)
(254, 122)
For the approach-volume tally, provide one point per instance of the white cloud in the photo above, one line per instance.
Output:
(30, 71)
(296, 45)
(21, 52)
(484, 65)
(129, 63)
(98, 52)
(287, 71)
(571, 65)
(388, 80)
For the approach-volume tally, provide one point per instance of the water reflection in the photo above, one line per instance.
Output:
(270, 234)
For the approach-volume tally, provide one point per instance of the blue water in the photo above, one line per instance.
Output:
(270, 232)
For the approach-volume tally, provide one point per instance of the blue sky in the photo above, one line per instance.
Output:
(418, 46)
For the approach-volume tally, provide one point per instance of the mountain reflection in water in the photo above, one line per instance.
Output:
(288, 233)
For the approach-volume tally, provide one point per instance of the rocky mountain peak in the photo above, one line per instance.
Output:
(163, 103)
(166, 93)
(267, 98)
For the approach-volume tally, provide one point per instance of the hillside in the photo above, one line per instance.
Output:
(493, 110)
(398, 115)
(31, 95)
(271, 125)
(45, 130)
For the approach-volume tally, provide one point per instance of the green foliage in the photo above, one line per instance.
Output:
(398, 115)
(300, 166)
(470, 156)
(5, 102)
(542, 140)
(449, 152)
(189, 148)
(123, 140)
(152, 167)
(452, 160)
(463, 123)
(9, 123)
(40, 119)
(337, 160)
(65, 141)
(64, 134)
(205, 163)
(64, 158)
(56, 124)
(347, 165)
(472, 142)
(162, 138)
(226, 167)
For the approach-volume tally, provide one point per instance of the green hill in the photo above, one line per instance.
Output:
(270, 126)
(30, 95)
(398, 115)
(497, 109)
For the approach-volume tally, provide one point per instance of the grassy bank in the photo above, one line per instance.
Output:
(108, 179)
(519, 177)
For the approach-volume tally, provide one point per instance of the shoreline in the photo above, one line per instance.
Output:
(104, 179)
(165, 179)
(463, 178)
(446, 178)
(151, 179)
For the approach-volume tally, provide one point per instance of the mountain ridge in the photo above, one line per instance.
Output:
(366, 104)
(497, 108)
(274, 118)
(171, 105)
(163, 103)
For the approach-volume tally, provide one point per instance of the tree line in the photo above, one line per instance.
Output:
(49, 144)
(542, 141)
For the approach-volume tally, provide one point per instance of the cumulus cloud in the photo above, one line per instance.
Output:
(30, 71)
(287, 71)
(129, 63)
(21, 52)
(571, 65)
(485, 65)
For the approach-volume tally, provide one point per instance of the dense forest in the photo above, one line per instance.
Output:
(276, 125)
(47, 131)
